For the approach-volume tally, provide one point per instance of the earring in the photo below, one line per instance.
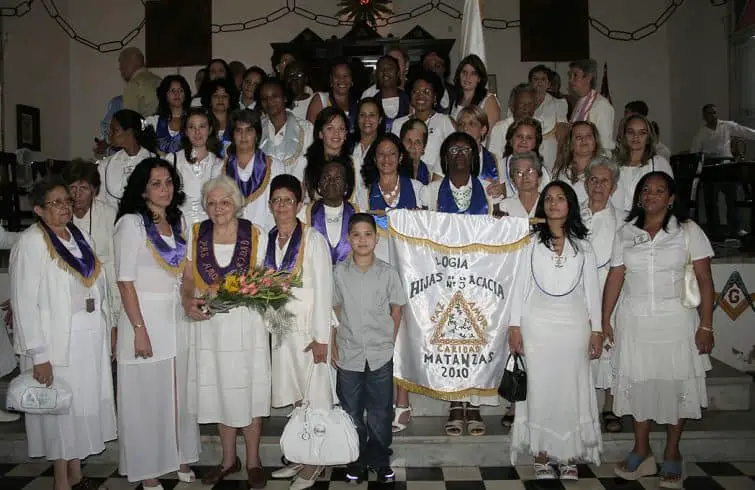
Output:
(639, 204)
(670, 205)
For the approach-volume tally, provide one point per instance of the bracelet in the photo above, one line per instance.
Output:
(597, 333)
(138, 325)
(706, 329)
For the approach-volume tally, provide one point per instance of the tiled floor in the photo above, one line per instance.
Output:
(700, 476)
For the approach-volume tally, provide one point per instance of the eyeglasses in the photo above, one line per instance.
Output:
(521, 173)
(594, 181)
(282, 201)
(423, 91)
(296, 76)
(223, 203)
(459, 150)
(60, 203)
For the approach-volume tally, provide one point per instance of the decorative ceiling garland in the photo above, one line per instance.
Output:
(24, 7)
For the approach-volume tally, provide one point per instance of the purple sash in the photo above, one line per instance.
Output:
(258, 178)
(406, 200)
(165, 142)
(86, 266)
(403, 108)
(318, 221)
(291, 257)
(169, 258)
(205, 263)
(423, 173)
(489, 169)
(477, 205)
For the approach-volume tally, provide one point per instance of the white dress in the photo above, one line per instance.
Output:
(361, 192)
(629, 177)
(660, 374)
(292, 366)
(232, 385)
(78, 349)
(603, 226)
(114, 173)
(157, 431)
(193, 177)
(439, 127)
(300, 109)
(578, 187)
(556, 309)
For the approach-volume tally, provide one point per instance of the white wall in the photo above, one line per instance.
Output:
(36, 69)
(699, 67)
(674, 88)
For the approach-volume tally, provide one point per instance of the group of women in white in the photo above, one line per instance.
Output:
(598, 292)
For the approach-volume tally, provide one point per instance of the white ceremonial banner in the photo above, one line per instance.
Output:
(472, 37)
(458, 272)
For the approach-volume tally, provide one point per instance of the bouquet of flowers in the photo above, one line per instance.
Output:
(266, 291)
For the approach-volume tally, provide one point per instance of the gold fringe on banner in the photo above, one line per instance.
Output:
(450, 249)
(88, 282)
(443, 395)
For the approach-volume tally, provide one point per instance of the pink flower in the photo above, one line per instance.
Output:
(267, 282)
(270, 272)
(284, 288)
(244, 290)
(253, 290)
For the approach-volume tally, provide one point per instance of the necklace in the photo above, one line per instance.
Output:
(391, 196)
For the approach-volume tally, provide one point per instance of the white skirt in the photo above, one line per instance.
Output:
(659, 374)
(233, 385)
(91, 421)
(157, 431)
(560, 415)
(295, 374)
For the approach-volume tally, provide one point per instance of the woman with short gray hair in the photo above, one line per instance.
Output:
(602, 220)
(525, 172)
(232, 385)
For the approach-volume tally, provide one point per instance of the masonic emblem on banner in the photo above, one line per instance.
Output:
(734, 298)
(459, 322)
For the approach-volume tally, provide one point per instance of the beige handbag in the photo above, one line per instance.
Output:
(690, 288)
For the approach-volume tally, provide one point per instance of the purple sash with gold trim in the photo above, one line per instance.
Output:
(291, 257)
(318, 221)
(259, 172)
(205, 263)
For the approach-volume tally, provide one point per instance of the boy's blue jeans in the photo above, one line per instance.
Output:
(370, 391)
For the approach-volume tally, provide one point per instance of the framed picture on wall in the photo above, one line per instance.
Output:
(28, 131)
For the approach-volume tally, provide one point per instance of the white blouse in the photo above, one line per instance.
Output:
(115, 171)
(439, 127)
(558, 276)
(193, 177)
(630, 176)
(294, 163)
(514, 208)
(655, 267)
(134, 260)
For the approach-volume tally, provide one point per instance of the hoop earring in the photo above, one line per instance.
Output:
(639, 204)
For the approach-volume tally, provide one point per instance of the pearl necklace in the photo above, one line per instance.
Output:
(391, 196)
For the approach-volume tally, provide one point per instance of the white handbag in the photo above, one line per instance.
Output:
(690, 288)
(25, 394)
(320, 437)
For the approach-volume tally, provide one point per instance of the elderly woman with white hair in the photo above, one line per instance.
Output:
(602, 219)
(525, 172)
(232, 384)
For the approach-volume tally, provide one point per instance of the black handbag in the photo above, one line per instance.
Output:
(513, 386)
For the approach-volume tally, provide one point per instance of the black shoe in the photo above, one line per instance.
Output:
(356, 473)
(386, 474)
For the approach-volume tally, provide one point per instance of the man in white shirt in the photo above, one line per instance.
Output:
(714, 139)
(590, 105)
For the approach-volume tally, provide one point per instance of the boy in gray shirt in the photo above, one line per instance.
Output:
(368, 297)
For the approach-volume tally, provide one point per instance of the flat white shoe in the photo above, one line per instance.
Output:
(287, 471)
(9, 417)
(187, 477)
(300, 483)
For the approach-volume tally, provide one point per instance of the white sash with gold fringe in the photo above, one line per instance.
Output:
(458, 272)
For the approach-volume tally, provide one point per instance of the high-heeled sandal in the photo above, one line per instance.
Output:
(455, 427)
(568, 472)
(672, 474)
(544, 471)
(398, 412)
(474, 427)
(635, 467)
(186, 476)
